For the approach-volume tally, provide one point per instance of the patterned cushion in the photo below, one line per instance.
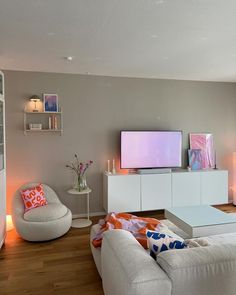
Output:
(159, 242)
(33, 197)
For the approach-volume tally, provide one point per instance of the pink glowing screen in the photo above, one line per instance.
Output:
(151, 149)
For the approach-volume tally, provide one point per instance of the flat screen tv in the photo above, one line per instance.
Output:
(151, 149)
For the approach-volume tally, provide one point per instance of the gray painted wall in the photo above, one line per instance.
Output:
(95, 110)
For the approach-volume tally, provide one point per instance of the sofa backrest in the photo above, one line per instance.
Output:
(202, 270)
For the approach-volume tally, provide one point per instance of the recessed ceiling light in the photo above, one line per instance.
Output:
(154, 36)
(68, 58)
(160, 1)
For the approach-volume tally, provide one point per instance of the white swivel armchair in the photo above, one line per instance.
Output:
(43, 223)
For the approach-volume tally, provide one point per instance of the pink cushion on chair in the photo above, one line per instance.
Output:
(33, 197)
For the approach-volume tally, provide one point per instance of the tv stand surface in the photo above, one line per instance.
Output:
(143, 192)
(154, 171)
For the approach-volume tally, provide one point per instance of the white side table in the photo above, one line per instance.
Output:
(78, 222)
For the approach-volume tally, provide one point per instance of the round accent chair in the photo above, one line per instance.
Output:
(42, 223)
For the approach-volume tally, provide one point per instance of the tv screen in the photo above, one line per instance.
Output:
(151, 149)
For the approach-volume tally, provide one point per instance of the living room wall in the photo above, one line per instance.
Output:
(95, 109)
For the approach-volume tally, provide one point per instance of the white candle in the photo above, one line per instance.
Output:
(113, 166)
(108, 166)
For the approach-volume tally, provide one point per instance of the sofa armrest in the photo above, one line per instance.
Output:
(128, 269)
(203, 270)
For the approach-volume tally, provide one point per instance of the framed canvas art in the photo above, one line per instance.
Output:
(195, 159)
(204, 142)
(50, 102)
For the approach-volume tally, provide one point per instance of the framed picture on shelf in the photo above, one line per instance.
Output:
(50, 102)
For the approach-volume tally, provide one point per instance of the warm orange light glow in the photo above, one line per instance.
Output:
(13, 183)
(10, 225)
(234, 178)
(119, 170)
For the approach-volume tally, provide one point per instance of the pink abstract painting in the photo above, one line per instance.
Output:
(204, 142)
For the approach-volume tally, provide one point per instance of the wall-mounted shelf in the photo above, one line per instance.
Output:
(49, 113)
(43, 118)
(44, 130)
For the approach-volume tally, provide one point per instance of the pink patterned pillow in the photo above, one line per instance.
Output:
(33, 197)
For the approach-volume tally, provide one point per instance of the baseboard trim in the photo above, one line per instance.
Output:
(90, 214)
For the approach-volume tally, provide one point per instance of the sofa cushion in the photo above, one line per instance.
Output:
(46, 213)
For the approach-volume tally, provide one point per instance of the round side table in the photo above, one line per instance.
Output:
(79, 222)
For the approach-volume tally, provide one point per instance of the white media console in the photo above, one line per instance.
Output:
(135, 192)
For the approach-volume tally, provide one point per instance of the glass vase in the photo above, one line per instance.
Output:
(81, 183)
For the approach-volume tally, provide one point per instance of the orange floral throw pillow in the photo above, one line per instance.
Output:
(33, 197)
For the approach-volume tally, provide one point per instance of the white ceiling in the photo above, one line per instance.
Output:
(174, 39)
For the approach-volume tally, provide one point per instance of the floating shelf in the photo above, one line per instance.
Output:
(28, 119)
(44, 130)
(26, 112)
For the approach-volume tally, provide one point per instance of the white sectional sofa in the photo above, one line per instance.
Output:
(127, 269)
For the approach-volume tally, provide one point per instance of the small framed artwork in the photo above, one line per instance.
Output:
(50, 102)
(195, 159)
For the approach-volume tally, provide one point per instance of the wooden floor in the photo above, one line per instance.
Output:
(62, 266)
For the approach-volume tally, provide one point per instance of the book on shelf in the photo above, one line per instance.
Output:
(52, 123)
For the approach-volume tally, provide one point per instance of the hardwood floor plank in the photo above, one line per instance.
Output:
(63, 266)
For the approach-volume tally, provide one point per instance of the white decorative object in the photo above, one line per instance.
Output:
(134, 192)
(35, 126)
(113, 167)
(78, 222)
